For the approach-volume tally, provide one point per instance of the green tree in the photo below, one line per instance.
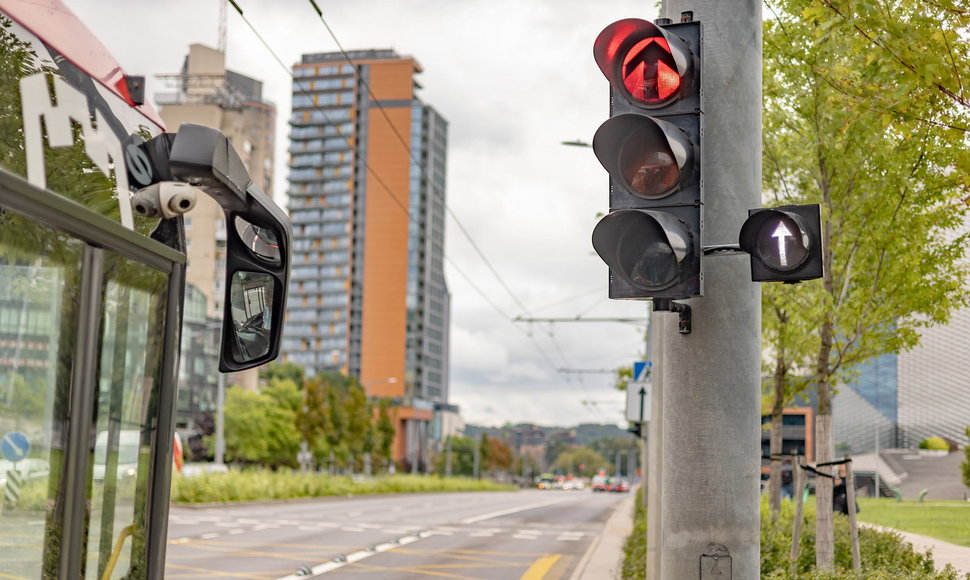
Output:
(890, 172)
(786, 366)
(385, 432)
(312, 418)
(360, 433)
(260, 427)
(462, 457)
(283, 370)
(581, 461)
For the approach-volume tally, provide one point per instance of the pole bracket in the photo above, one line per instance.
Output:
(683, 310)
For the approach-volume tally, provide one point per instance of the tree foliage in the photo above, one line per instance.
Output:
(462, 451)
(330, 412)
(580, 461)
(865, 114)
(260, 430)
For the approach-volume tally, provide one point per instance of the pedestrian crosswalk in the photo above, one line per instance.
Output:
(216, 526)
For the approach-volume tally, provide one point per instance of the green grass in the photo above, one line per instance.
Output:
(264, 484)
(944, 520)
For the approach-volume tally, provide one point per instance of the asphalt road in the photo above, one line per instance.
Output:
(528, 534)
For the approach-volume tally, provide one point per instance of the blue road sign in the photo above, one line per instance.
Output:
(14, 446)
(638, 370)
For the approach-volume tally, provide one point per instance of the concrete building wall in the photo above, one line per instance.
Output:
(205, 93)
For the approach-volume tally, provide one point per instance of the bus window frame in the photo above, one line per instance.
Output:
(102, 235)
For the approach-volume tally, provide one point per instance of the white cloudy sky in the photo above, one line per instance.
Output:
(514, 78)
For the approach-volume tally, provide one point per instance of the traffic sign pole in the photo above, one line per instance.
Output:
(711, 383)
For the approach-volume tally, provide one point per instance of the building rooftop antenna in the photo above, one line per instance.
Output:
(223, 14)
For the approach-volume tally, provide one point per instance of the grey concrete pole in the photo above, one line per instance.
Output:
(654, 449)
(711, 377)
(220, 454)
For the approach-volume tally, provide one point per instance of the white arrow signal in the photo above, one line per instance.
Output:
(781, 232)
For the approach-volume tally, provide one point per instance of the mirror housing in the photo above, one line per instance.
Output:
(258, 241)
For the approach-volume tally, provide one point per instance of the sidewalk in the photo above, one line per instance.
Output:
(604, 557)
(943, 552)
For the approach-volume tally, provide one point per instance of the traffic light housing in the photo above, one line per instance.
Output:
(651, 148)
(785, 243)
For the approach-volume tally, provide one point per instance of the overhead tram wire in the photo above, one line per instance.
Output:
(391, 194)
(424, 174)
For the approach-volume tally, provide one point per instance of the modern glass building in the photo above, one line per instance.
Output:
(368, 296)
(900, 400)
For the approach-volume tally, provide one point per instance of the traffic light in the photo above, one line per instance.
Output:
(651, 147)
(785, 243)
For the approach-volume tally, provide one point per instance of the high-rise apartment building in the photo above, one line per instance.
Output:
(367, 199)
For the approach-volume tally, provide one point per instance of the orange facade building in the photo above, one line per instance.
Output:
(368, 296)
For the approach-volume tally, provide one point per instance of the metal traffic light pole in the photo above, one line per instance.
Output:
(711, 377)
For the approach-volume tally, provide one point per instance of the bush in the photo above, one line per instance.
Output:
(635, 547)
(934, 443)
(884, 555)
(258, 484)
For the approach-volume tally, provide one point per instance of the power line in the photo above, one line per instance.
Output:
(414, 159)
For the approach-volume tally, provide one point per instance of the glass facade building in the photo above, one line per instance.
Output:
(900, 400)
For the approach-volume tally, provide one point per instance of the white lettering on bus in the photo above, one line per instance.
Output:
(101, 146)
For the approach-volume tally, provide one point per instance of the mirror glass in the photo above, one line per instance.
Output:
(251, 303)
(260, 241)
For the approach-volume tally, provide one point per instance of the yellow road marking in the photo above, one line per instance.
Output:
(471, 552)
(414, 570)
(539, 568)
(2, 575)
(210, 573)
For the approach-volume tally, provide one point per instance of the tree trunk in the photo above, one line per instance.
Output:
(824, 526)
(775, 441)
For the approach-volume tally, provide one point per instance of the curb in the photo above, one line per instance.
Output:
(604, 557)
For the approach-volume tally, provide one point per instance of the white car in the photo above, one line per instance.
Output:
(128, 448)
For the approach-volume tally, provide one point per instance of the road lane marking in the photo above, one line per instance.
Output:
(539, 568)
(505, 512)
(359, 555)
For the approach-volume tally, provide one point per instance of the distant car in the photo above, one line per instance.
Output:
(28, 468)
(620, 486)
(128, 449)
(600, 483)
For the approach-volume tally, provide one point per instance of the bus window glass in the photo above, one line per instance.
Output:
(39, 287)
(131, 331)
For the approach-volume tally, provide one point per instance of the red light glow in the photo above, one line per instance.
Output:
(649, 72)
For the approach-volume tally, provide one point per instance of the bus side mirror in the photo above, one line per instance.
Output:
(257, 246)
